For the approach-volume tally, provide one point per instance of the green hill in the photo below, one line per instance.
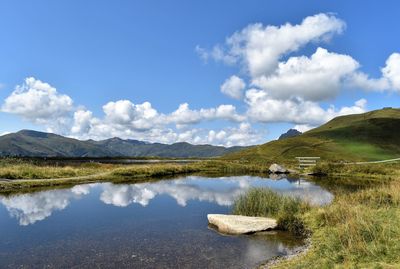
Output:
(370, 136)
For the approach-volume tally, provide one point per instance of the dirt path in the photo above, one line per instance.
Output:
(383, 161)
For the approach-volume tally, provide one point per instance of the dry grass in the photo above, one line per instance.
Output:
(16, 169)
(358, 230)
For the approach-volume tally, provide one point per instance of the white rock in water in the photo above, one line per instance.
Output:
(235, 224)
(277, 169)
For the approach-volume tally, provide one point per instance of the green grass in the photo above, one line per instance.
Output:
(380, 171)
(264, 202)
(363, 137)
(369, 151)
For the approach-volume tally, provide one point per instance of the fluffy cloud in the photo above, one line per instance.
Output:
(138, 117)
(303, 127)
(127, 120)
(40, 103)
(264, 108)
(184, 115)
(289, 90)
(390, 79)
(37, 100)
(241, 136)
(233, 87)
(82, 122)
(315, 78)
(217, 53)
(260, 47)
(392, 71)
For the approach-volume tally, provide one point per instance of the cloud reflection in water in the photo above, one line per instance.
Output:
(193, 188)
(33, 207)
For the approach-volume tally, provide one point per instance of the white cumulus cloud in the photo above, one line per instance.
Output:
(39, 103)
(389, 80)
(136, 116)
(185, 115)
(260, 47)
(233, 87)
(315, 78)
(263, 108)
(392, 71)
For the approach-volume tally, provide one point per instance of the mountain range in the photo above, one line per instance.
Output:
(369, 136)
(28, 143)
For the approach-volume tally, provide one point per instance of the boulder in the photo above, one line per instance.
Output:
(236, 224)
(277, 169)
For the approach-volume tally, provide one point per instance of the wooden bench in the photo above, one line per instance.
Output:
(307, 161)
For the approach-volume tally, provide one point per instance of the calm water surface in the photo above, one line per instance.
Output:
(159, 224)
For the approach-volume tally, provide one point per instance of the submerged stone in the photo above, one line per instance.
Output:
(236, 224)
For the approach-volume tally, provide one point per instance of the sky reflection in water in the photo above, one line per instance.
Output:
(156, 224)
(32, 207)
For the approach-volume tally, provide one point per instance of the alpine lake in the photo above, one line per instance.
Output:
(153, 224)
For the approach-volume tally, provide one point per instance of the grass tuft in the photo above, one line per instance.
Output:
(263, 202)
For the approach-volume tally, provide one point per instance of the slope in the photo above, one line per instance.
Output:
(362, 137)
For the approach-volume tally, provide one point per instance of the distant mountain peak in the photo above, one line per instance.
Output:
(290, 133)
(116, 139)
(33, 133)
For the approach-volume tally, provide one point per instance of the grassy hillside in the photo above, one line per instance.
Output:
(363, 137)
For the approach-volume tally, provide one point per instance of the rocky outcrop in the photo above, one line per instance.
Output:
(277, 169)
(236, 224)
(290, 133)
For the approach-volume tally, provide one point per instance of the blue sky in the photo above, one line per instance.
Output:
(97, 69)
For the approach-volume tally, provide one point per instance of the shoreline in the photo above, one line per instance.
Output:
(297, 252)
(117, 173)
